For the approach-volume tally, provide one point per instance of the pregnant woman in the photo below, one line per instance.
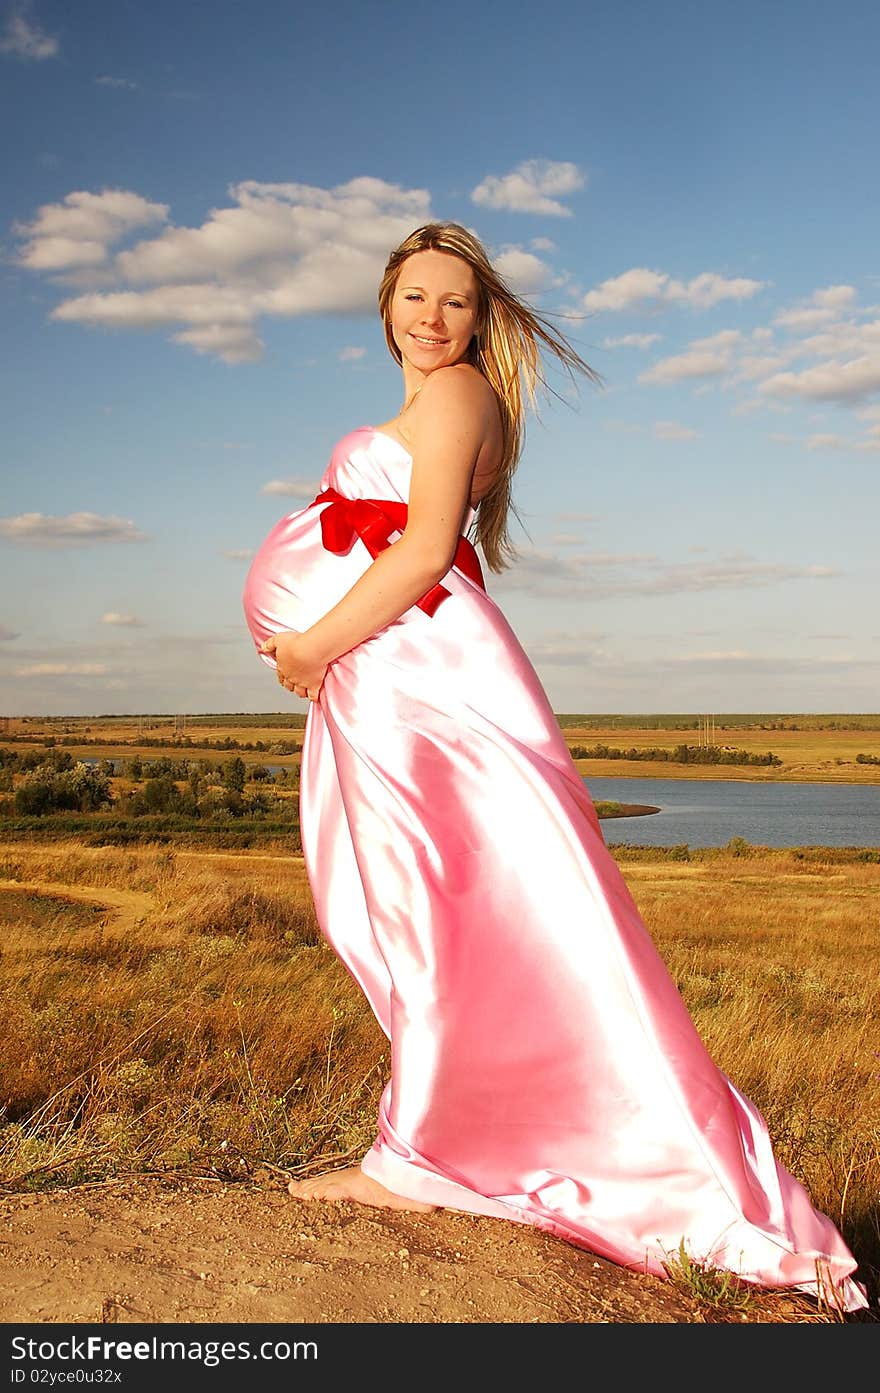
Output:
(544, 1068)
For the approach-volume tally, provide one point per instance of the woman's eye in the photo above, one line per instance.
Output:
(456, 304)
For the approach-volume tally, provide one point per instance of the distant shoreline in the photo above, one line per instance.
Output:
(605, 809)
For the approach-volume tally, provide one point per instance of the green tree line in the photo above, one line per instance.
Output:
(54, 782)
(681, 754)
(274, 747)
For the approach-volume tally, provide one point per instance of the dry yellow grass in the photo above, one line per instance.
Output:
(777, 960)
(222, 1034)
(815, 752)
(808, 755)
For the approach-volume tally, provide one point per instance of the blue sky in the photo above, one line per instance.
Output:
(198, 203)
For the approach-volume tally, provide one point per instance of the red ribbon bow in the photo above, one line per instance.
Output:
(373, 520)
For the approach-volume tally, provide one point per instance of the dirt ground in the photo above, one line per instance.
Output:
(161, 1250)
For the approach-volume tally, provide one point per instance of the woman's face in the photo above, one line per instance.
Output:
(434, 310)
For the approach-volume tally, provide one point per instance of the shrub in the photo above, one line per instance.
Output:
(738, 846)
(83, 788)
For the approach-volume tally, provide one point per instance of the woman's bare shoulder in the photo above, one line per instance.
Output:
(457, 378)
(457, 400)
(460, 387)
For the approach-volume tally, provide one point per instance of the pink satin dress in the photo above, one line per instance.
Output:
(544, 1068)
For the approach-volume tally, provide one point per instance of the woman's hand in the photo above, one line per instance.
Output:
(297, 670)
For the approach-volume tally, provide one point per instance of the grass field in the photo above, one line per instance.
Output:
(813, 748)
(808, 755)
(176, 1011)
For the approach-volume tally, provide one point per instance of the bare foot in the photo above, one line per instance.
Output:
(352, 1184)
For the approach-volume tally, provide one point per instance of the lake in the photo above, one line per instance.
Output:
(708, 812)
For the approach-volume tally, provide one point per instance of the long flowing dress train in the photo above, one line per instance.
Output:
(544, 1067)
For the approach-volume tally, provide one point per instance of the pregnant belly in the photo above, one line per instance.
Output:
(293, 580)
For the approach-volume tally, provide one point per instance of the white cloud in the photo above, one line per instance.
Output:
(849, 374)
(830, 441)
(682, 366)
(642, 286)
(636, 287)
(824, 306)
(563, 652)
(800, 320)
(61, 670)
(330, 234)
(761, 662)
(291, 488)
(734, 655)
(724, 340)
(844, 339)
(24, 38)
(238, 554)
(849, 382)
(126, 621)
(351, 354)
(826, 442)
(566, 647)
(576, 577)
(632, 341)
(77, 529)
(232, 343)
(523, 272)
(563, 539)
(535, 186)
(714, 356)
(622, 427)
(115, 82)
(282, 250)
(79, 231)
(204, 304)
(673, 430)
(754, 366)
(709, 289)
(835, 297)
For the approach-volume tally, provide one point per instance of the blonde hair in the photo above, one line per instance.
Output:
(505, 349)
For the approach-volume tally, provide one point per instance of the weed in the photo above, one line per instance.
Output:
(713, 1286)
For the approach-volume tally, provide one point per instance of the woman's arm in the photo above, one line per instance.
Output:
(447, 430)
